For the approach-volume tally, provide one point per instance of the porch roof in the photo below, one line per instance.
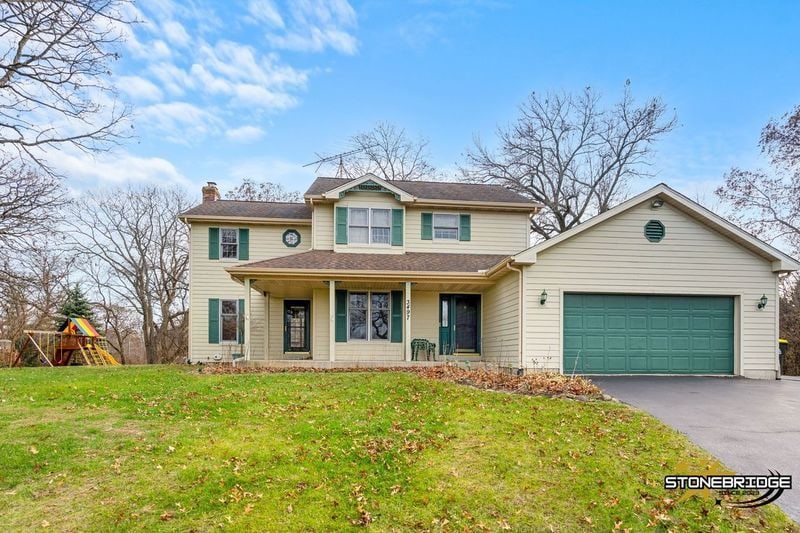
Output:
(317, 262)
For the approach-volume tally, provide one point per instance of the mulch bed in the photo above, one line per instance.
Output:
(533, 384)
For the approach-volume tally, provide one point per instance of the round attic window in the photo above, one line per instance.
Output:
(654, 231)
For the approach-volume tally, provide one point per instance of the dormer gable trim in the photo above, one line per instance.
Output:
(368, 183)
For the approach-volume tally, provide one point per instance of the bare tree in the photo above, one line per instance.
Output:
(133, 246)
(33, 284)
(767, 202)
(54, 64)
(388, 152)
(571, 155)
(263, 191)
(30, 203)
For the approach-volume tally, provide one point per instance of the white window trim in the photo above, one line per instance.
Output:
(238, 244)
(369, 228)
(369, 314)
(457, 227)
(221, 341)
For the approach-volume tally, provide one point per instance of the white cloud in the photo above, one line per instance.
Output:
(244, 134)
(316, 25)
(181, 122)
(139, 88)
(116, 168)
(197, 75)
(176, 33)
(265, 11)
(250, 94)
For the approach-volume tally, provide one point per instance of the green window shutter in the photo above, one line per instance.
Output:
(341, 225)
(213, 243)
(341, 316)
(244, 243)
(465, 227)
(397, 227)
(427, 226)
(213, 321)
(397, 316)
(240, 323)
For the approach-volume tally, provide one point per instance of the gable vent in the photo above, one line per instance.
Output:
(654, 231)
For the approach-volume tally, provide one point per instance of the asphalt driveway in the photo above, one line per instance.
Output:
(750, 425)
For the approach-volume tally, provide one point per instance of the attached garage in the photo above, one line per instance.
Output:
(656, 285)
(648, 334)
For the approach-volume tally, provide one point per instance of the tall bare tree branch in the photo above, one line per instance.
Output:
(55, 59)
(572, 156)
(133, 247)
(388, 152)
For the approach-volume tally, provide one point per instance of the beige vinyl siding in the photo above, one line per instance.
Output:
(425, 316)
(321, 325)
(500, 336)
(615, 257)
(208, 279)
(323, 224)
(369, 200)
(492, 232)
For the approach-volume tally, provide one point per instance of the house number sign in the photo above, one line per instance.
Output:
(408, 309)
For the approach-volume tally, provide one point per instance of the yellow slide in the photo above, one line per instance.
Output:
(107, 357)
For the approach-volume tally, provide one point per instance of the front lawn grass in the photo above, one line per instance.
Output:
(168, 448)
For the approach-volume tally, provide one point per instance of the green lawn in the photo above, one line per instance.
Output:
(167, 448)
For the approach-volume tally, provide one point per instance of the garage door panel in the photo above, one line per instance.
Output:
(648, 334)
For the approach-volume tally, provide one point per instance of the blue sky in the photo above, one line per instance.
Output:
(224, 90)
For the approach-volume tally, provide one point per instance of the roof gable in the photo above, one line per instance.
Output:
(781, 262)
(367, 183)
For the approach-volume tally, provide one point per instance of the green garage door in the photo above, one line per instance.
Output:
(638, 334)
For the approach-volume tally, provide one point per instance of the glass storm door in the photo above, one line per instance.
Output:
(459, 323)
(296, 326)
(466, 323)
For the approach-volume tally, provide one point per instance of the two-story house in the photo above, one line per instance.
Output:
(364, 267)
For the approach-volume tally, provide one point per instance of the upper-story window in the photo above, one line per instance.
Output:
(370, 226)
(229, 241)
(445, 226)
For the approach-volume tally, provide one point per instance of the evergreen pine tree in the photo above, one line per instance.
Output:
(76, 305)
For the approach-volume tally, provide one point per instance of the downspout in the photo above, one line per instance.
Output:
(521, 362)
(313, 231)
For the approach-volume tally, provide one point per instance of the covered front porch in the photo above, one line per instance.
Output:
(377, 319)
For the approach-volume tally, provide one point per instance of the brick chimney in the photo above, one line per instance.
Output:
(210, 192)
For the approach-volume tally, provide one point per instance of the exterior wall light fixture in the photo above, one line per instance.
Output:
(543, 297)
(762, 302)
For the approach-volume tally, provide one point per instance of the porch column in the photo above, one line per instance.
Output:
(407, 314)
(247, 301)
(266, 326)
(332, 320)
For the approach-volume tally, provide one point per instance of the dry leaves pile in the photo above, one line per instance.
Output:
(533, 384)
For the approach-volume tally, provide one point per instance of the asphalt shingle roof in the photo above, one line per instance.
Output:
(244, 209)
(435, 190)
(407, 262)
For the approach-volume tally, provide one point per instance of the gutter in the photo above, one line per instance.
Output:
(521, 304)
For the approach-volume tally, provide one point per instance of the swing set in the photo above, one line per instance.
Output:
(76, 342)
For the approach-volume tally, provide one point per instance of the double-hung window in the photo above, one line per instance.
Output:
(369, 226)
(229, 242)
(369, 315)
(445, 227)
(229, 320)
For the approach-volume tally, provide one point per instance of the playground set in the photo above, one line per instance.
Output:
(76, 342)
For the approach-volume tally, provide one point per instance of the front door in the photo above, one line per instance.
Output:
(459, 323)
(296, 326)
